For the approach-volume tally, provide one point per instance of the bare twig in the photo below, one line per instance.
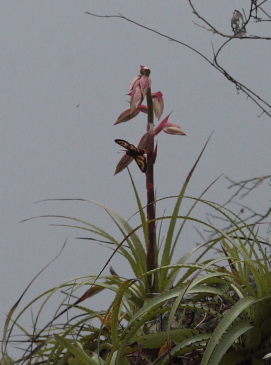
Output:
(237, 34)
(262, 104)
(247, 185)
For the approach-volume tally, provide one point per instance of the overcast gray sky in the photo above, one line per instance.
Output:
(63, 84)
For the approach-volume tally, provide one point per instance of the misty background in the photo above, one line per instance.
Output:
(64, 80)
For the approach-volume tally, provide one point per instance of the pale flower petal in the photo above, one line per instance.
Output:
(134, 81)
(171, 128)
(127, 115)
(145, 83)
(158, 104)
(136, 98)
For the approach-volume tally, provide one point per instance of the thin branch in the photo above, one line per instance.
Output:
(250, 94)
(247, 185)
(216, 31)
(214, 63)
(153, 31)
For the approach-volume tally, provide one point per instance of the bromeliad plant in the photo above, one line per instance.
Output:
(194, 310)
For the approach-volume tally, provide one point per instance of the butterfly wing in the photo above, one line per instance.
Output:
(135, 153)
(141, 162)
(126, 144)
(131, 149)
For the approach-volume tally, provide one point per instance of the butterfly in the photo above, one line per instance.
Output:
(134, 152)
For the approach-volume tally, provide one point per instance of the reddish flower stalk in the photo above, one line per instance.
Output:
(152, 251)
(140, 88)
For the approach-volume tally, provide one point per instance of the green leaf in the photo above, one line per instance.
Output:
(227, 340)
(253, 339)
(156, 340)
(196, 341)
(116, 309)
(233, 358)
(169, 245)
(223, 326)
(76, 351)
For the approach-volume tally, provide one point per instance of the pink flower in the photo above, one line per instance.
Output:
(158, 104)
(147, 141)
(134, 82)
(145, 83)
(136, 98)
(139, 87)
(128, 114)
(143, 108)
(169, 128)
(160, 126)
